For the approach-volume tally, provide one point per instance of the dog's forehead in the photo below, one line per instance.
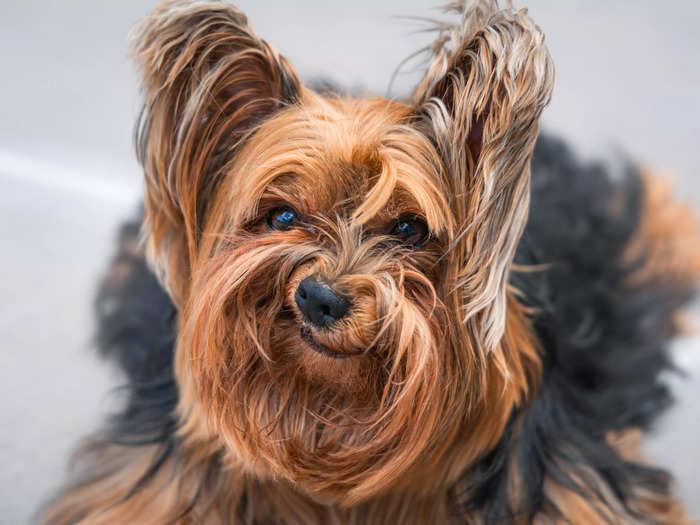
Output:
(363, 155)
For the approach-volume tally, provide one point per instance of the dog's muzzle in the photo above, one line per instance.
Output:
(319, 303)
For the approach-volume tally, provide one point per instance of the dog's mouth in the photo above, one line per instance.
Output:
(308, 337)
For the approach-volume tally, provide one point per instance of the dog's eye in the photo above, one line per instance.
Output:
(282, 218)
(410, 230)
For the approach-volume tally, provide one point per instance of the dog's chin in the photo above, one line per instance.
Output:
(329, 366)
(307, 336)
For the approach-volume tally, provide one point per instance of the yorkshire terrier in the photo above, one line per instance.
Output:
(367, 311)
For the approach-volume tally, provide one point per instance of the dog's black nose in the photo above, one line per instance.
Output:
(319, 303)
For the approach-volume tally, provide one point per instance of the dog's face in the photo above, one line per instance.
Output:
(341, 265)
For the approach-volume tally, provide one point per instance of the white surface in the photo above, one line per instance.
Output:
(627, 75)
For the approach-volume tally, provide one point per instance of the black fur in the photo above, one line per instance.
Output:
(605, 344)
(136, 328)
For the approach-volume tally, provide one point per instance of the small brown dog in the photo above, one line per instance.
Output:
(356, 339)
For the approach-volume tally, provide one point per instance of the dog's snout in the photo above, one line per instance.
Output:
(319, 303)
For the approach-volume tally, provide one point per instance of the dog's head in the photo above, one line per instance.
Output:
(341, 265)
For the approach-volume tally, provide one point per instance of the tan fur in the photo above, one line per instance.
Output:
(668, 239)
(207, 78)
(666, 509)
(421, 364)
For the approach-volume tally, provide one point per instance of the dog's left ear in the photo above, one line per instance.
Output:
(480, 103)
(208, 82)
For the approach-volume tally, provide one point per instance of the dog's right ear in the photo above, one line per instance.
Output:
(208, 81)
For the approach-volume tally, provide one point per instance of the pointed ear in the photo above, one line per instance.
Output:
(208, 80)
(480, 102)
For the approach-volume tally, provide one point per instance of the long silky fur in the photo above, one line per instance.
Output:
(507, 361)
(604, 345)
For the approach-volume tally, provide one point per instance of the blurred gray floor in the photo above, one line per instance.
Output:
(628, 76)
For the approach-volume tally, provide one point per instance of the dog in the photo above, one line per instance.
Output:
(373, 311)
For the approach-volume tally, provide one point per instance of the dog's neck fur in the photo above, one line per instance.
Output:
(207, 492)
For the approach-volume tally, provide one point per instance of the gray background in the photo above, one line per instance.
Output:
(627, 76)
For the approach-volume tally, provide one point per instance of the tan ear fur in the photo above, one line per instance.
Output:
(208, 81)
(490, 78)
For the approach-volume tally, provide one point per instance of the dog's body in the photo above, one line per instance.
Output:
(349, 334)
